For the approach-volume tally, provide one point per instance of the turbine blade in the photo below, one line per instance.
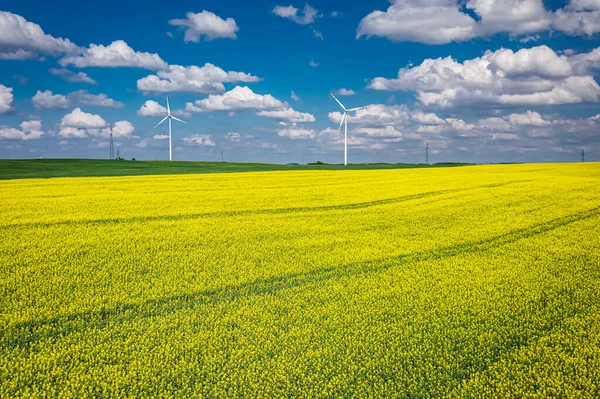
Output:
(166, 117)
(338, 101)
(357, 108)
(177, 119)
(168, 108)
(342, 121)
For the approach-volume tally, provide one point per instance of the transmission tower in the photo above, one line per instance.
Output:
(112, 147)
(222, 155)
(582, 155)
(427, 153)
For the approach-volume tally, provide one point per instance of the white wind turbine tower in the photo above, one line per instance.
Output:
(345, 122)
(169, 117)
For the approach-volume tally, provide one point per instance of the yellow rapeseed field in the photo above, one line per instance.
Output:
(471, 282)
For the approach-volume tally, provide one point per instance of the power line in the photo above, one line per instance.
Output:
(112, 148)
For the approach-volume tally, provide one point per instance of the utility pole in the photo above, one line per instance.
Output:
(222, 155)
(427, 153)
(112, 148)
(582, 155)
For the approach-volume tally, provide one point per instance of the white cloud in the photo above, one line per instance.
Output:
(99, 100)
(78, 118)
(161, 137)
(296, 133)
(49, 100)
(427, 118)
(80, 124)
(345, 92)
(445, 21)
(237, 99)
(206, 24)
(233, 137)
(208, 79)
(387, 131)
(424, 21)
(30, 130)
(199, 140)
(375, 115)
(294, 96)
(119, 129)
(313, 64)
(307, 16)
(152, 108)
(6, 99)
(288, 114)
(69, 76)
(21, 39)
(578, 18)
(459, 124)
(535, 76)
(528, 118)
(17, 55)
(72, 132)
(117, 54)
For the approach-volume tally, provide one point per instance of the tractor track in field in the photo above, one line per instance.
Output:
(272, 211)
(24, 334)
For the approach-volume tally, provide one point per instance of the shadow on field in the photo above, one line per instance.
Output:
(273, 211)
(22, 335)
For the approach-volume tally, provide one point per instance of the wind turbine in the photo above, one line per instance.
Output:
(169, 117)
(345, 119)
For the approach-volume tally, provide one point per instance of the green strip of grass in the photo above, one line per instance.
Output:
(46, 168)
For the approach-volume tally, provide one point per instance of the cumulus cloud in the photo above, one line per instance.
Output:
(233, 137)
(534, 76)
(296, 133)
(445, 21)
(199, 140)
(74, 77)
(161, 137)
(313, 64)
(237, 99)
(17, 55)
(80, 119)
(208, 79)
(427, 118)
(116, 54)
(6, 99)
(375, 115)
(294, 96)
(528, 118)
(152, 108)
(387, 131)
(288, 114)
(206, 24)
(306, 16)
(30, 130)
(578, 18)
(345, 92)
(49, 100)
(80, 124)
(21, 39)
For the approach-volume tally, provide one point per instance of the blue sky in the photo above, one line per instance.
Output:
(479, 80)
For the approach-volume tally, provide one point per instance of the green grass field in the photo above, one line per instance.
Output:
(44, 168)
(470, 282)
